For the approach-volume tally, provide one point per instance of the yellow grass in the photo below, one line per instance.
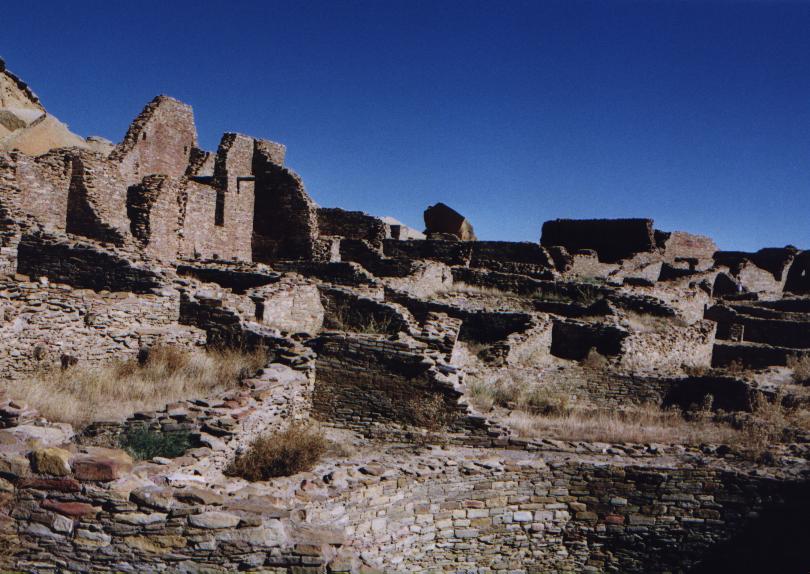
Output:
(85, 393)
(642, 424)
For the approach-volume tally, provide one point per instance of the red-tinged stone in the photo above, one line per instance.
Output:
(614, 519)
(56, 484)
(100, 469)
(239, 415)
(73, 509)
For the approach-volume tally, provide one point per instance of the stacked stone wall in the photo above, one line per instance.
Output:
(352, 225)
(612, 239)
(42, 323)
(82, 265)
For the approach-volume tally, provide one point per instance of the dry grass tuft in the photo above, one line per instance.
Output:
(637, 424)
(85, 393)
(801, 369)
(285, 453)
(511, 391)
(643, 323)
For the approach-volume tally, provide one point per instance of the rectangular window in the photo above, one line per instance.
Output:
(219, 212)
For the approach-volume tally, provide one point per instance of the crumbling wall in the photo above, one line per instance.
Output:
(670, 346)
(159, 141)
(352, 225)
(366, 381)
(82, 265)
(285, 219)
(612, 239)
(681, 245)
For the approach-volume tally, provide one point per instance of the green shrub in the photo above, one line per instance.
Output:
(146, 444)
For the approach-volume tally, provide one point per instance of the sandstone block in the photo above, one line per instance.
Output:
(53, 461)
(214, 520)
(102, 467)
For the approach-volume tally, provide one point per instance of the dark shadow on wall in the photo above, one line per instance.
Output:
(777, 542)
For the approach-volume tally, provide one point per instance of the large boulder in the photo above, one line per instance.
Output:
(443, 220)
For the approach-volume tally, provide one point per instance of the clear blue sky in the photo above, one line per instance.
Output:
(696, 114)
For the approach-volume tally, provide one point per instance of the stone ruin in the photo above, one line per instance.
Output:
(108, 250)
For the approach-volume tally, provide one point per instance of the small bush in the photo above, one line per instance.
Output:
(285, 453)
(146, 444)
(429, 412)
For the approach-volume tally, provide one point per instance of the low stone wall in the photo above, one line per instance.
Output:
(43, 322)
(340, 272)
(236, 277)
(352, 225)
(557, 518)
(365, 382)
(82, 265)
(574, 339)
(670, 346)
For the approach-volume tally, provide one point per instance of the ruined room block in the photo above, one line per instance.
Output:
(159, 141)
(333, 221)
(680, 245)
(612, 239)
(441, 219)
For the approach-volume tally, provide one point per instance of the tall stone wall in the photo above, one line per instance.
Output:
(154, 211)
(285, 219)
(159, 141)
(96, 201)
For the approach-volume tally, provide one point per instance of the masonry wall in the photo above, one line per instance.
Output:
(612, 239)
(41, 323)
(669, 347)
(159, 141)
(526, 516)
(43, 184)
(285, 219)
(82, 265)
(352, 225)
(154, 212)
(365, 382)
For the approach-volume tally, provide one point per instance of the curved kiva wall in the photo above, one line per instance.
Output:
(444, 511)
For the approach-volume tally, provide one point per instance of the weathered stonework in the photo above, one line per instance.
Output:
(383, 338)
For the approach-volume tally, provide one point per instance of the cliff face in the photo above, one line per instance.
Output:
(25, 125)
